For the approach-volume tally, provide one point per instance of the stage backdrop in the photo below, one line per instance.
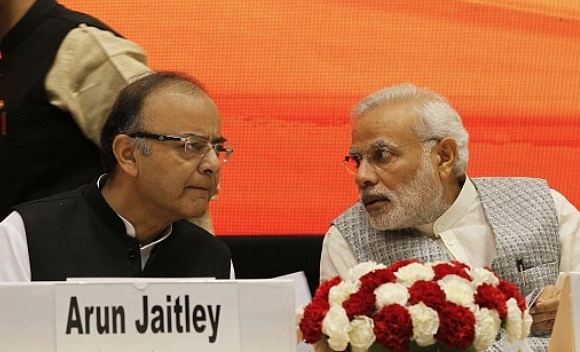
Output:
(285, 75)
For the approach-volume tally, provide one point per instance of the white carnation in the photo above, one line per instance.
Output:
(362, 334)
(457, 290)
(413, 272)
(341, 292)
(336, 326)
(487, 326)
(362, 269)
(483, 276)
(527, 324)
(425, 324)
(515, 323)
(390, 293)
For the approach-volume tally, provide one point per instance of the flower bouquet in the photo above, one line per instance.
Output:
(414, 306)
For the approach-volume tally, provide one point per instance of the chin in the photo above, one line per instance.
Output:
(376, 211)
(384, 221)
(194, 209)
(197, 213)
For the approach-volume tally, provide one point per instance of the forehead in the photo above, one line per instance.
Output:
(392, 122)
(176, 111)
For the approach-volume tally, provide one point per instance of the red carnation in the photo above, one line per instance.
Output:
(451, 268)
(511, 290)
(491, 297)
(428, 292)
(456, 326)
(319, 302)
(311, 322)
(324, 288)
(393, 327)
(401, 263)
(374, 279)
(361, 302)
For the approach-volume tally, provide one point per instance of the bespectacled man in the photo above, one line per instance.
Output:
(163, 150)
(408, 156)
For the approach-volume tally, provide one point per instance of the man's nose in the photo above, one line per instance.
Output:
(210, 162)
(366, 174)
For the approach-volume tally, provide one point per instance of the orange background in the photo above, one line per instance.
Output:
(286, 73)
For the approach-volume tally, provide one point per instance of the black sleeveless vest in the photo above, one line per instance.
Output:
(42, 150)
(77, 234)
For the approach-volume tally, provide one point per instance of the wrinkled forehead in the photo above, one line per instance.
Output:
(182, 111)
(393, 122)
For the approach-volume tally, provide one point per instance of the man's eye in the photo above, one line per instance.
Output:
(381, 156)
(196, 147)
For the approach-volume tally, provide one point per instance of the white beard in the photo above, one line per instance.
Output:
(417, 202)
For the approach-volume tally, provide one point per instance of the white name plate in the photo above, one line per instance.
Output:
(147, 317)
(575, 298)
(566, 330)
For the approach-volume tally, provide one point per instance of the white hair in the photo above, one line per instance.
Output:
(438, 119)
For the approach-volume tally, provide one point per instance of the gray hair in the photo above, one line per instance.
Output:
(438, 119)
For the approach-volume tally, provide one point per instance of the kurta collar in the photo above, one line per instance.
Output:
(456, 211)
(100, 206)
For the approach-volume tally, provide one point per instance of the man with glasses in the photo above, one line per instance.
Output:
(162, 149)
(409, 158)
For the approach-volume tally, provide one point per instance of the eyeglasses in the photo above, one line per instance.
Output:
(193, 145)
(378, 155)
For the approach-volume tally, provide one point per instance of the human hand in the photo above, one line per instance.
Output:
(545, 309)
(322, 346)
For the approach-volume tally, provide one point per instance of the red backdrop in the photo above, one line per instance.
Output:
(286, 73)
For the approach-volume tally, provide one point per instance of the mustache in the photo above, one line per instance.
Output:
(368, 196)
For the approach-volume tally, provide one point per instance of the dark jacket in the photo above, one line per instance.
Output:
(77, 234)
(43, 151)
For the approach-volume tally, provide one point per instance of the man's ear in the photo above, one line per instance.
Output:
(124, 149)
(447, 153)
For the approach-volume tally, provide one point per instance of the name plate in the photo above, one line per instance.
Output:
(575, 298)
(566, 330)
(153, 316)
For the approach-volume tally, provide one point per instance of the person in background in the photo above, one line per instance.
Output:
(162, 149)
(60, 73)
(409, 158)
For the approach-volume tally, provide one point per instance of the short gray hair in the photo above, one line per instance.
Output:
(438, 119)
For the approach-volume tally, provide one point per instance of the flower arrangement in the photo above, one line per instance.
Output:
(415, 306)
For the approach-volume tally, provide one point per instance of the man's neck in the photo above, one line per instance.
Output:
(12, 11)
